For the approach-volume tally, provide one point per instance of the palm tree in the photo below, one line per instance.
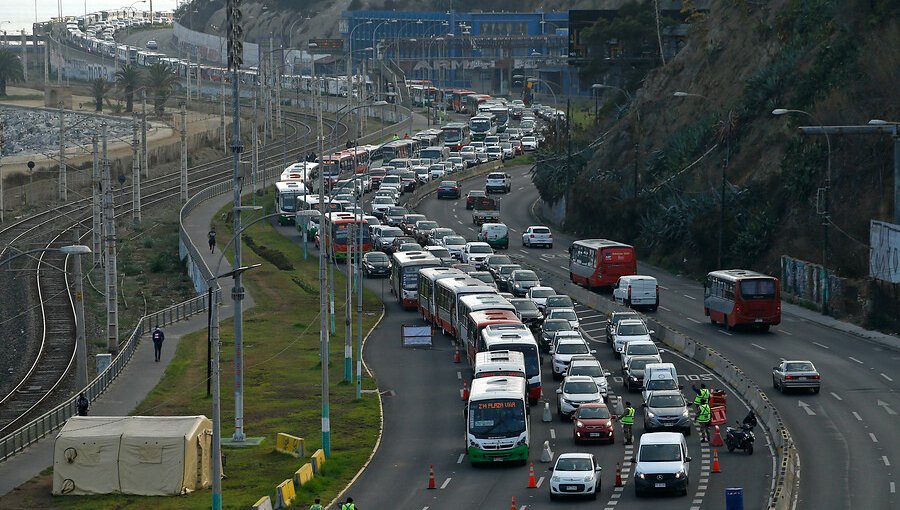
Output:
(99, 88)
(10, 70)
(160, 83)
(128, 79)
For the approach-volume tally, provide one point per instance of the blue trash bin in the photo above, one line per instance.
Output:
(734, 498)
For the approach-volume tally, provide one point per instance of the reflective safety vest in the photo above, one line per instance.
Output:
(702, 397)
(705, 413)
(316, 506)
(348, 506)
(628, 417)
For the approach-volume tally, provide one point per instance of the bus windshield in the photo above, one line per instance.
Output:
(452, 134)
(340, 234)
(532, 362)
(480, 124)
(758, 289)
(496, 418)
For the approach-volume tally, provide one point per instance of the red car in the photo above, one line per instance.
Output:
(593, 422)
(472, 196)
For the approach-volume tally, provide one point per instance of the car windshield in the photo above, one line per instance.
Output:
(799, 367)
(477, 248)
(477, 194)
(383, 200)
(397, 211)
(440, 233)
(496, 176)
(388, 179)
(497, 260)
(448, 184)
(572, 348)
(593, 413)
(541, 293)
(560, 302)
(426, 225)
(525, 276)
(569, 315)
(660, 453)
(505, 270)
(413, 218)
(639, 364)
(580, 387)
(485, 277)
(641, 349)
(440, 253)
(374, 257)
(524, 305)
(573, 464)
(662, 384)
(589, 370)
(391, 232)
(454, 241)
(632, 330)
(666, 401)
(556, 325)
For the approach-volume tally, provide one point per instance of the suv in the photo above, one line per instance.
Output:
(475, 253)
(589, 366)
(667, 410)
(628, 330)
(633, 372)
(499, 182)
(563, 352)
(574, 391)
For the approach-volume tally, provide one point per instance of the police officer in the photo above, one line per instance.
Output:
(158, 338)
(702, 394)
(82, 405)
(349, 504)
(627, 420)
(317, 505)
(704, 416)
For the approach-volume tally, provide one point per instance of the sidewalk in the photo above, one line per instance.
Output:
(141, 374)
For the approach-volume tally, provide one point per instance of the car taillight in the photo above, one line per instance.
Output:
(657, 289)
(531, 236)
(788, 377)
(813, 377)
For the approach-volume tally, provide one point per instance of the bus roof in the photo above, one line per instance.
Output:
(499, 356)
(497, 387)
(601, 243)
(495, 317)
(283, 186)
(453, 125)
(413, 258)
(738, 274)
(508, 333)
(436, 273)
(487, 299)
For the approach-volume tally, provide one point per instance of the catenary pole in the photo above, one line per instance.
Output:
(96, 229)
(184, 152)
(135, 172)
(63, 187)
(323, 278)
(112, 291)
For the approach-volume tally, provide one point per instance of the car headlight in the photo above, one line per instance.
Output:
(685, 413)
(651, 414)
(679, 475)
(589, 478)
(554, 478)
(579, 423)
(642, 476)
(517, 285)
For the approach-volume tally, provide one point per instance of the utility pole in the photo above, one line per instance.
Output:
(188, 74)
(323, 280)
(348, 316)
(2, 205)
(112, 291)
(254, 156)
(81, 378)
(359, 307)
(62, 154)
(96, 216)
(46, 59)
(222, 120)
(135, 172)
(24, 56)
(184, 160)
(144, 159)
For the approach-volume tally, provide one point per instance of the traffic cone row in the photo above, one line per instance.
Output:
(532, 483)
(464, 392)
(513, 507)
(431, 482)
(715, 467)
(456, 358)
(618, 475)
(717, 438)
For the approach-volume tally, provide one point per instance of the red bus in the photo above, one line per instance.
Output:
(737, 297)
(600, 262)
(446, 296)
(475, 322)
(405, 275)
(341, 226)
(458, 99)
(336, 165)
(428, 279)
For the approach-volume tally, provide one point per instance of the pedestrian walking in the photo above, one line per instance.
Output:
(211, 236)
(704, 417)
(349, 504)
(82, 405)
(317, 505)
(158, 338)
(627, 420)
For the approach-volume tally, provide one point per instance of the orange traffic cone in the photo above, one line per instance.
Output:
(464, 393)
(716, 468)
(513, 507)
(431, 483)
(532, 483)
(618, 475)
(717, 438)
(456, 356)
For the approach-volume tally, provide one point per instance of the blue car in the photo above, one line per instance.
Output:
(448, 189)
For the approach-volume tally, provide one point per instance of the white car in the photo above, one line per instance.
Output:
(536, 235)
(380, 205)
(574, 391)
(437, 171)
(563, 351)
(539, 295)
(591, 367)
(565, 313)
(628, 330)
(529, 143)
(454, 244)
(575, 474)
(499, 182)
(475, 252)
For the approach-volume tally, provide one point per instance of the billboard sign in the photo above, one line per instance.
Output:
(327, 45)
(884, 251)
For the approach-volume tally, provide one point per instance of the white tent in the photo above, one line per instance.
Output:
(145, 455)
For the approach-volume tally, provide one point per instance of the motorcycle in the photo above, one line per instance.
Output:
(740, 438)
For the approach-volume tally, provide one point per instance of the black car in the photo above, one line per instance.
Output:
(502, 273)
(448, 189)
(376, 263)
(528, 312)
(492, 262)
(400, 240)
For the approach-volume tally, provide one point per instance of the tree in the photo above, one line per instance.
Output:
(10, 70)
(160, 83)
(99, 88)
(128, 79)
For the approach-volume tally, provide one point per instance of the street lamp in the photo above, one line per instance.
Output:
(824, 212)
(555, 103)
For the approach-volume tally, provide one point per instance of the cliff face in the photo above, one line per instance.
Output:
(837, 60)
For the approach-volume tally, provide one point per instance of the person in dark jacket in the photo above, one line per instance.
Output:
(82, 405)
(158, 338)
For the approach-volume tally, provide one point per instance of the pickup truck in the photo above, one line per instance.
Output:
(485, 210)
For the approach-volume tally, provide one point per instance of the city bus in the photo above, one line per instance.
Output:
(305, 173)
(457, 100)
(497, 427)
(400, 149)
(500, 364)
(473, 101)
(480, 127)
(600, 262)
(405, 275)
(428, 279)
(475, 322)
(456, 135)
(422, 95)
(517, 337)
(335, 165)
(501, 117)
(476, 303)
(286, 196)
(738, 297)
(343, 234)
(447, 295)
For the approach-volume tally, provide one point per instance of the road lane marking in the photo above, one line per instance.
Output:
(693, 320)
(461, 457)
(887, 408)
(540, 481)
(788, 333)
(523, 251)
(857, 416)
(446, 483)
(552, 433)
(689, 297)
(873, 438)
(835, 395)
(822, 345)
(724, 332)
(893, 488)
(806, 408)
(663, 288)
(886, 377)
(884, 459)
(664, 308)
(563, 267)
(758, 346)
(856, 360)
(459, 375)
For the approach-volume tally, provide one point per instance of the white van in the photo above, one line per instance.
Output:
(636, 290)
(661, 463)
(495, 234)
(499, 364)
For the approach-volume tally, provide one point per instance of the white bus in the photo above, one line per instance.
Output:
(287, 199)
(497, 427)
(428, 279)
(517, 337)
(476, 303)
(447, 296)
(405, 275)
(499, 364)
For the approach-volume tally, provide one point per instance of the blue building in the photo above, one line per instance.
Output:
(477, 51)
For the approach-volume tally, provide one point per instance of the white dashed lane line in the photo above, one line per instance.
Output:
(856, 360)
(886, 377)
(856, 415)
(693, 320)
(758, 346)
(821, 345)
(461, 457)
(689, 297)
(664, 308)
(446, 483)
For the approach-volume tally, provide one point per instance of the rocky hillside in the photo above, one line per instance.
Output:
(837, 60)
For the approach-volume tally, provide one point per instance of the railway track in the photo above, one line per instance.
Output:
(43, 352)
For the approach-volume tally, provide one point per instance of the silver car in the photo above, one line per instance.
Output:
(791, 374)
(667, 410)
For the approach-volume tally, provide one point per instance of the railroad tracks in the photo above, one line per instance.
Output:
(40, 348)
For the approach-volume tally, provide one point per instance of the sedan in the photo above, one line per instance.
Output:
(796, 374)
(376, 263)
(557, 301)
(454, 245)
(521, 280)
(575, 474)
(448, 189)
(502, 274)
(539, 295)
(549, 330)
(574, 391)
(593, 422)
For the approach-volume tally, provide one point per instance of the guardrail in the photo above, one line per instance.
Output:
(54, 419)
